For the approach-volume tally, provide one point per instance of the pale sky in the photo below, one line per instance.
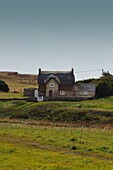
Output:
(56, 35)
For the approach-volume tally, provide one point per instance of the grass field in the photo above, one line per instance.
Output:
(56, 135)
(55, 148)
(10, 95)
(19, 87)
(17, 82)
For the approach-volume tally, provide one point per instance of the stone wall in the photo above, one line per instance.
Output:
(84, 94)
(53, 88)
(29, 92)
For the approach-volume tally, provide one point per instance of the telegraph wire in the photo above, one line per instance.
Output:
(89, 71)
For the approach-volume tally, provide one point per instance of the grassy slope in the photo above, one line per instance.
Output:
(19, 87)
(93, 111)
(17, 82)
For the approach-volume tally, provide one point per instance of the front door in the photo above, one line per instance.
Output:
(50, 93)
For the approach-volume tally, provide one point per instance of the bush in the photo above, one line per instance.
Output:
(3, 86)
(74, 148)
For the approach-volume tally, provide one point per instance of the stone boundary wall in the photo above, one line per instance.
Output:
(67, 98)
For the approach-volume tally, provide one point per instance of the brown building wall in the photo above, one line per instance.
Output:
(66, 88)
(77, 90)
(67, 94)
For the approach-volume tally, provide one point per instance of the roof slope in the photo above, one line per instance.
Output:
(65, 77)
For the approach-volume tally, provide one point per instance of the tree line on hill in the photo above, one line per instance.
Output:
(104, 85)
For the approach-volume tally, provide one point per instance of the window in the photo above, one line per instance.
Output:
(62, 93)
(52, 84)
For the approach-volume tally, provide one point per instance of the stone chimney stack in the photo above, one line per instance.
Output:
(72, 71)
(39, 70)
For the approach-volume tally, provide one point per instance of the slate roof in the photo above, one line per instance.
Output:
(65, 77)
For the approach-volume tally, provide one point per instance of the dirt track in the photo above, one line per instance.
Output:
(33, 144)
(58, 124)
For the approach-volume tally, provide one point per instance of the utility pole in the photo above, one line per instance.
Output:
(102, 72)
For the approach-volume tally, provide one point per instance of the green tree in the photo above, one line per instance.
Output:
(103, 89)
(104, 86)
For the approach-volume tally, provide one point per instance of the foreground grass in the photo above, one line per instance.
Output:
(55, 148)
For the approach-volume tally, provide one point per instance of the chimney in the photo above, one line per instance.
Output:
(72, 71)
(39, 70)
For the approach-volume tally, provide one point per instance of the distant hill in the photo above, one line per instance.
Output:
(17, 82)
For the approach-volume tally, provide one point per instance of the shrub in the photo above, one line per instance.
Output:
(74, 148)
(3, 86)
(73, 139)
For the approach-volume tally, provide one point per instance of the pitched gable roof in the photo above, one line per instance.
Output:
(65, 77)
(52, 76)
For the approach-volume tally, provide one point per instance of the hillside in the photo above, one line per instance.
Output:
(92, 112)
(17, 82)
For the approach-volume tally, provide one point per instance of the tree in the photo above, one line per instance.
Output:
(105, 85)
(3, 86)
(104, 88)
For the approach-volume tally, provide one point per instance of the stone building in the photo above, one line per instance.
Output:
(60, 85)
(56, 83)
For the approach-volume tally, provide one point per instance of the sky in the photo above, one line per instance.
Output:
(57, 35)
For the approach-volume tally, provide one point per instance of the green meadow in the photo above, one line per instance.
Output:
(55, 148)
(56, 135)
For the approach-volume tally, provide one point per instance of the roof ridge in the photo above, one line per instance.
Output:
(56, 72)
